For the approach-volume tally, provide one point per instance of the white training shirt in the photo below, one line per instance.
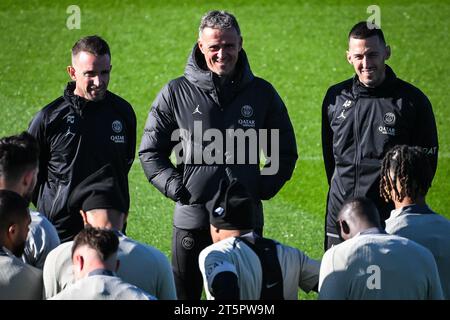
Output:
(230, 254)
(42, 238)
(102, 287)
(379, 266)
(18, 280)
(141, 265)
(422, 225)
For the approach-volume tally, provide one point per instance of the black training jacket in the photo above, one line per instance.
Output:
(247, 102)
(359, 125)
(76, 138)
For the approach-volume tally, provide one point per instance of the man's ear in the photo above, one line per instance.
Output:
(388, 53)
(79, 261)
(241, 41)
(349, 57)
(12, 230)
(200, 45)
(71, 72)
(345, 229)
(28, 178)
(84, 217)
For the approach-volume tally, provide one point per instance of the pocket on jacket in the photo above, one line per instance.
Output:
(56, 201)
(202, 182)
(336, 179)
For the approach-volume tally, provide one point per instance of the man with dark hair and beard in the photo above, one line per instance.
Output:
(19, 156)
(18, 280)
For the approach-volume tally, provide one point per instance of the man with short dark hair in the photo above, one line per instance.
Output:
(18, 280)
(101, 205)
(406, 177)
(362, 118)
(94, 257)
(19, 156)
(371, 264)
(242, 265)
(218, 100)
(80, 132)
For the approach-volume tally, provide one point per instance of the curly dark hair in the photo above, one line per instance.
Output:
(407, 167)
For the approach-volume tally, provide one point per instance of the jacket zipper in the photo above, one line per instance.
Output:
(358, 149)
(58, 191)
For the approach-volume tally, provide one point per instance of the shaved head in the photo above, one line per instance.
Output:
(361, 209)
(357, 215)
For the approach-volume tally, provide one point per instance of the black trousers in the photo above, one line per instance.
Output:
(331, 241)
(186, 247)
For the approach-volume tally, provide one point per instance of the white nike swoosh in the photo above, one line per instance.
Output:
(270, 285)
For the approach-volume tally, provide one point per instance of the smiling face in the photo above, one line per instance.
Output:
(91, 75)
(368, 58)
(221, 49)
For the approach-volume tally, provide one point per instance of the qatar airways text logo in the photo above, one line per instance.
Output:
(234, 146)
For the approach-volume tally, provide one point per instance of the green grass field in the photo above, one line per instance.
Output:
(298, 46)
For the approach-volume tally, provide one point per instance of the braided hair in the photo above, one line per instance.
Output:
(407, 167)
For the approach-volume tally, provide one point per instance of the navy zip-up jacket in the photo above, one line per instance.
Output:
(359, 125)
(76, 138)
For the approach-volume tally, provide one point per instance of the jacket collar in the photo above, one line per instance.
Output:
(197, 73)
(373, 230)
(5, 252)
(101, 272)
(76, 101)
(385, 88)
(411, 209)
(2, 252)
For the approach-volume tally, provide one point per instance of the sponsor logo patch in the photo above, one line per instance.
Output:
(218, 212)
(430, 151)
(347, 104)
(69, 133)
(246, 123)
(211, 268)
(188, 242)
(197, 110)
(117, 126)
(387, 130)
(247, 111)
(389, 118)
(118, 139)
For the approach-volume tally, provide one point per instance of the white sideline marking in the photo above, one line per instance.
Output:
(442, 155)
